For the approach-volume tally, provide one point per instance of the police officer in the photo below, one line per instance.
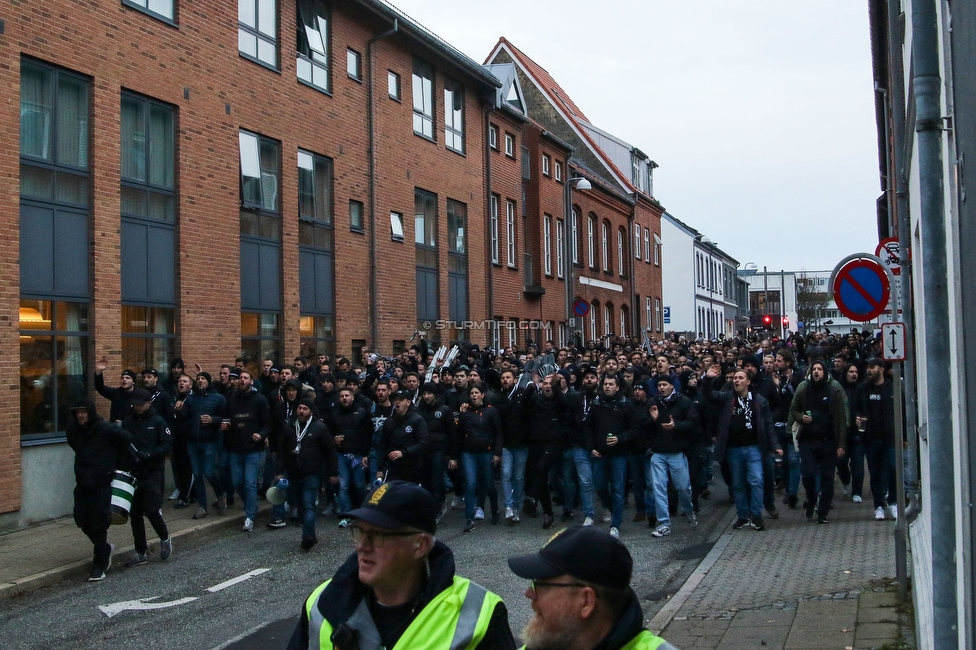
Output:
(398, 589)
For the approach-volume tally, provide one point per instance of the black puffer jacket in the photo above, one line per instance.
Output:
(549, 418)
(680, 439)
(249, 414)
(441, 434)
(97, 446)
(612, 417)
(513, 406)
(356, 427)
(316, 455)
(480, 430)
(150, 435)
(407, 434)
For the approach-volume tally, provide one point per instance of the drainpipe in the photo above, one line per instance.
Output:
(370, 125)
(489, 268)
(634, 314)
(927, 85)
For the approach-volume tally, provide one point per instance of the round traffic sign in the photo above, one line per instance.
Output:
(861, 289)
(581, 308)
(889, 252)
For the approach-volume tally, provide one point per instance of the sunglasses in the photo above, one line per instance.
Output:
(377, 539)
(536, 584)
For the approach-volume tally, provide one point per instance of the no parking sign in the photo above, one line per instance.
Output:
(861, 288)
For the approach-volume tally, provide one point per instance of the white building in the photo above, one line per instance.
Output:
(699, 282)
(772, 296)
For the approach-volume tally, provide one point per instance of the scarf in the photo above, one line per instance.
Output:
(743, 406)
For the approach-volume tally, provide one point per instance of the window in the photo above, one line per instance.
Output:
(425, 225)
(148, 159)
(423, 99)
(54, 365)
(493, 136)
(393, 85)
(637, 241)
(317, 336)
(590, 234)
(494, 229)
(657, 250)
(605, 245)
(545, 164)
(257, 31)
(575, 239)
(314, 195)
(510, 145)
(454, 116)
(457, 269)
(547, 243)
(620, 252)
(607, 319)
(313, 61)
(354, 65)
(316, 255)
(647, 312)
(148, 336)
(647, 245)
(510, 231)
(624, 317)
(259, 174)
(356, 216)
(558, 171)
(594, 315)
(396, 226)
(260, 337)
(260, 217)
(657, 314)
(158, 8)
(560, 244)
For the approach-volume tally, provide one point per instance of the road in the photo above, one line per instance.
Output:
(196, 608)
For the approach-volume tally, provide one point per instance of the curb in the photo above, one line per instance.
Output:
(78, 570)
(671, 608)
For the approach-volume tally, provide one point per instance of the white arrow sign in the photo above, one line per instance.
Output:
(142, 603)
(893, 341)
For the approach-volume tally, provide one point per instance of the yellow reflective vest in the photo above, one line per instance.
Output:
(644, 641)
(455, 619)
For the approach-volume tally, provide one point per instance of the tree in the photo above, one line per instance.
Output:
(812, 299)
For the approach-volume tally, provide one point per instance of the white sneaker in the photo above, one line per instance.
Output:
(515, 518)
(614, 532)
(345, 523)
(248, 525)
(893, 509)
(857, 498)
(175, 495)
(509, 513)
(588, 521)
(457, 503)
(607, 517)
(879, 514)
(479, 514)
(662, 530)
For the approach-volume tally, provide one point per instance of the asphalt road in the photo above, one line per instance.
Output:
(199, 611)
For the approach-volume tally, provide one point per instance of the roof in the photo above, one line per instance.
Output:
(564, 105)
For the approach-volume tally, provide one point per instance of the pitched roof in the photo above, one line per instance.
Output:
(563, 104)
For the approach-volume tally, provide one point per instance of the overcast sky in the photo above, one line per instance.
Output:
(760, 113)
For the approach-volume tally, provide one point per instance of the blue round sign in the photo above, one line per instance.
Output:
(581, 308)
(861, 290)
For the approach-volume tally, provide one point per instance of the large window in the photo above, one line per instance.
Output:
(260, 337)
(53, 365)
(605, 244)
(423, 99)
(148, 337)
(510, 231)
(54, 247)
(257, 30)
(590, 235)
(148, 153)
(316, 257)
(494, 229)
(637, 241)
(160, 8)
(547, 243)
(620, 252)
(457, 269)
(560, 245)
(425, 240)
(313, 43)
(657, 250)
(454, 116)
(574, 244)
(657, 314)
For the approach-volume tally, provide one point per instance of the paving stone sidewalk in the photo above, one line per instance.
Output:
(797, 585)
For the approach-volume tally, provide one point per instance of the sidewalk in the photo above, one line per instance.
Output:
(796, 585)
(57, 550)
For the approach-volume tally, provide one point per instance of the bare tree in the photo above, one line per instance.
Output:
(812, 300)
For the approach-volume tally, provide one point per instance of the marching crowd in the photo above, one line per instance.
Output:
(564, 428)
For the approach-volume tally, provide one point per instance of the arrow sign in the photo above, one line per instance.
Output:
(893, 341)
(143, 603)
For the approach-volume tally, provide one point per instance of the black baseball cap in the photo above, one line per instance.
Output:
(235, 372)
(398, 504)
(139, 396)
(151, 371)
(402, 394)
(876, 361)
(585, 553)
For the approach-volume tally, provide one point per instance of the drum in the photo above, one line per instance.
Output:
(123, 489)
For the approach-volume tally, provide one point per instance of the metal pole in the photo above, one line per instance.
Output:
(567, 253)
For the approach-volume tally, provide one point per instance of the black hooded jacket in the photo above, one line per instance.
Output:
(407, 434)
(97, 447)
(441, 436)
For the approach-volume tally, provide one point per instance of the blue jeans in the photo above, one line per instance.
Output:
(611, 470)
(302, 492)
(656, 473)
(513, 476)
(635, 469)
(477, 468)
(791, 460)
(244, 470)
(203, 460)
(578, 465)
(746, 467)
(881, 465)
(351, 476)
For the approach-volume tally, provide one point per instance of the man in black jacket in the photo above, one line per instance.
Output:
(97, 445)
(513, 404)
(246, 428)
(577, 462)
(874, 410)
(352, 430)
(670, 430)
(119, 397)
(441, 442)
(611, 425)
(403, 442)
(151, 441)
(307, 452)
(549, 416)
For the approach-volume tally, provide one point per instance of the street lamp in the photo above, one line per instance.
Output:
(579, 183)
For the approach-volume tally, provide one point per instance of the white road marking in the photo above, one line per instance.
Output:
(234, 581)
(143, 603)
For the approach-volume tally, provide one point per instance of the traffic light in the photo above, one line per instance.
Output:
(767, 320)
(786, 321)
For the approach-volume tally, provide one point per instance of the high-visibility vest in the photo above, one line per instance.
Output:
(455, 619)
(645, 641)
